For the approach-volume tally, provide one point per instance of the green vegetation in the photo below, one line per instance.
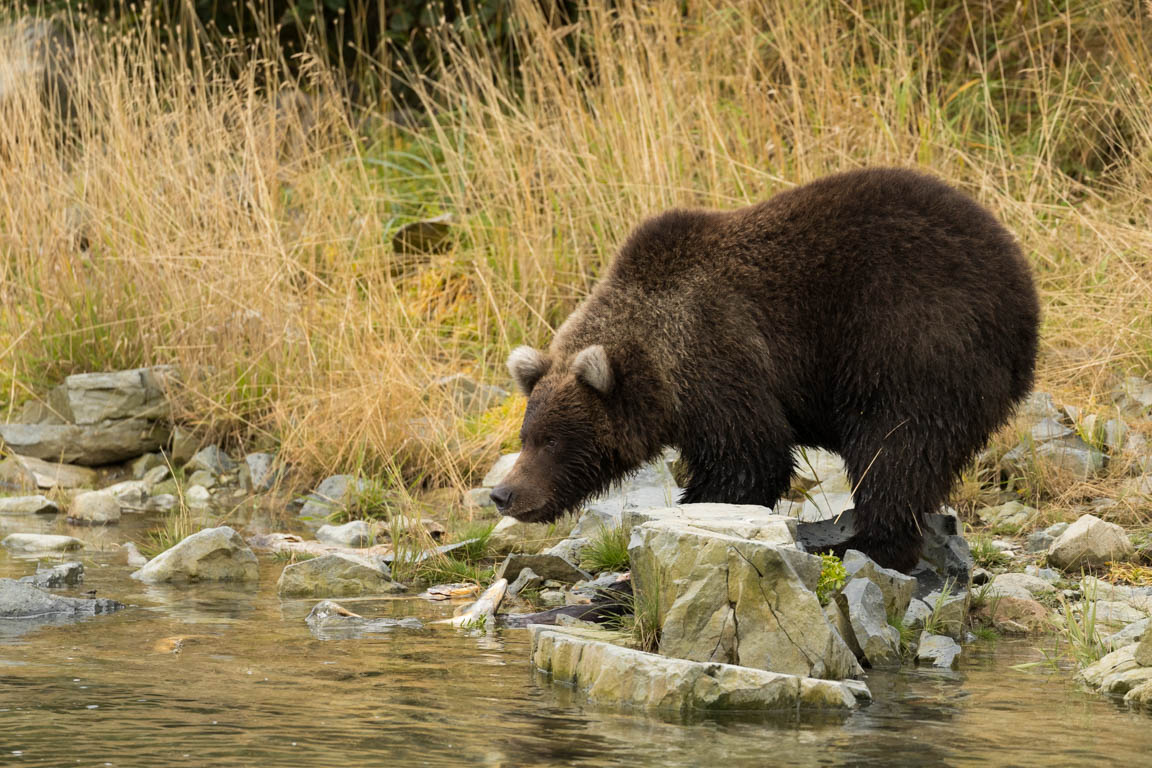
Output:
(984, 552)
(833, 577)
(607, 550)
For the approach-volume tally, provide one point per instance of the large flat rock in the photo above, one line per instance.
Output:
(213, 554)
(87, 444)
(592, 662)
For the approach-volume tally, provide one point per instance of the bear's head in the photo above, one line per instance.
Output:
(568, 450)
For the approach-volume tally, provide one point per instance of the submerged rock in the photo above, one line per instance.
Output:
(337, 575)
(63, 575)
(608, 673)
(213, 554)
(332, 621)
(23, 600)
(40, 542)
(1090, 543)
(938, 650)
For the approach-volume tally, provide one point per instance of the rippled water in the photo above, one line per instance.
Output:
(208, 676)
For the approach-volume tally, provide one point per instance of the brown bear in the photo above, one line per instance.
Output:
(878, 313)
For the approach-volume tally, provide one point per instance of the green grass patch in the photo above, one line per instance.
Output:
(607, 550)
(833, 577)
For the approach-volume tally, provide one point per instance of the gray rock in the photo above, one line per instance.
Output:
(337, 575)
(1117, 662)
(1134, 396)
(744, 521)
(1012, 515)
(1039, 406)
(526, 579)
(1070, 455)
(917, 615)
(47, 474)
(1041, 541)
(331, 621)
(510, 535)
(548, 566)
(334, 494)
(202, 478)
(938, 650)
(1115, 435)
(1088, 543)
(164, 502)
(95, 398)
(184, 445)
(947, 612)
(478, 498)
(89, 445)
(500, 470)
(213, 554)
(981, 576)
(650, 487)
(1048, 428)
(863, 602)
(22, 600)
(1143, 655)
(607, 673)
(568, 549)
(146, 463)
(62, 575)
(356, 533)
(1020, 585)
(212, 460)
(28, 505)
(130, 493)
(469, 396)
(132, 555)
(95, 507)
(896, 587)
(1047, 574)
(723, 598)
(155, 476)
(197, 497)
(551, 598)
(40, 542)
(261, 471)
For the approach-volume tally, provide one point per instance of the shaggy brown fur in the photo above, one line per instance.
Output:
(878, 313)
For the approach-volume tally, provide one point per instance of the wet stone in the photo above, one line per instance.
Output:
(337, 575)
(212, 460)
(213, 554)
(331, 621)
(28, 505)
(52, 577)
(938, 651)
(23, 600)
(547, 566)
(41, 542)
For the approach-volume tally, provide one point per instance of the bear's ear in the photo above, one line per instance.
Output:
(527, 365)
(592, 367)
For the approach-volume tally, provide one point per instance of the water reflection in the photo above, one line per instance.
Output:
(230, 675)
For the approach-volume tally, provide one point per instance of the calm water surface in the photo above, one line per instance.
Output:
(251, 685)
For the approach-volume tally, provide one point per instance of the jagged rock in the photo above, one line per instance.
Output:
(30, 472)
(500, 470)
(28, 505)
(212, 460)
(1088, 543)
(89, 445)
(1117, 662)
(863, 602)
(1070, 455)
(184, 445)
(938, 650)
(1140, 697)
(1013, 615)
(568, 549)
(948, 612)
(1039, 406)
(611, 674)
(261, 471)
(330, 621)
(1143, 654)
(213, 554)
(745, 521)
(1019, 585)
(22, 600)
(337, 575)
(548, 566)
(1012, 515)
(896, 587)
(96, 398)
(130, 493)
(356, 533)
(917, 614)
(95, 508)
(62, 575)
(526, 579)
(1041, 541)
(733, 600)
(132, 554)
(334, 494)
(197, 497)
(40, 542)
(1134, 396)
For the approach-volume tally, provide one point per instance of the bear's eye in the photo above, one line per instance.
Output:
(550, 443)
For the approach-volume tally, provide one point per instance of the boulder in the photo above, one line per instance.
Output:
(608, 673)
(261, 471)
(22, 600)
(210, 459)
(1089, 543)
(95, 508)
(213, 554)
(356, 533)
(1019, 585)
(130, 493)
(197, 497)
(337, 575)
(51, 577)
(548, 566)
(723, 598)
(95, 398)
(1143, 655)
(40, 542)
(1117, 662)
(28, 505)
(863, 602)
(1140, 697)
(937, 650)
(89, 445)
(334, 494)
(1013, 615)
(37, 473)
(510, 535)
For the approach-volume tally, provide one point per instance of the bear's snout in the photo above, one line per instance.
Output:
(501, 496)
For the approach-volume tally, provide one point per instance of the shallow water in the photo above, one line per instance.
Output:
(220, 676)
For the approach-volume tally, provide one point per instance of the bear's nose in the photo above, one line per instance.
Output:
(501, 496)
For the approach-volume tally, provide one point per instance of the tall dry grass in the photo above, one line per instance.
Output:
(182, 217)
